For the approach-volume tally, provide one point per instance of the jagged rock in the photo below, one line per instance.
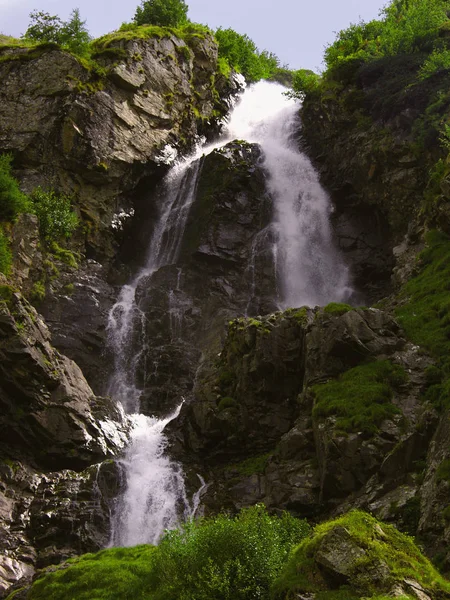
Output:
(49, 413)
(95, 138)
(221, 272)
(48, 517)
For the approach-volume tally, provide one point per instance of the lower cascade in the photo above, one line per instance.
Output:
(307, 267)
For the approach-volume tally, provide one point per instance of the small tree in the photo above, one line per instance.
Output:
(74, 34)
(165, 13)
(44, 27)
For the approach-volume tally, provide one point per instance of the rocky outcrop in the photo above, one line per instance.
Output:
(96, 134)
(52, 426)
(223, 270)
(361, 558)
(268, 422)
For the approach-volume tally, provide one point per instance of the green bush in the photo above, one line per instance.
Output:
(165, 13)
(406, 27)
(304, 82)
(71, 34)
(5, 254)
(12, 200)
(243, 55)
(222, 558)
(56, 217)
(361, 397)
(225, 558)
(437, 61)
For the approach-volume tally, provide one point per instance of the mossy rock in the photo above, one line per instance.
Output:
(362, 556)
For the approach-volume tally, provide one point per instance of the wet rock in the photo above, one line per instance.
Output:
(49, 413)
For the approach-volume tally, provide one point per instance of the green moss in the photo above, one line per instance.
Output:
(38, 292)
(227, 402)
(446, 513)
(336, 308)
(381, 543)
(361, 397)
(119, 573)
(443, 471)
(425, 312)
(299, 314)
(5, 254)
(6, 294)
(68, 289)
(252, 465)
(66, 256)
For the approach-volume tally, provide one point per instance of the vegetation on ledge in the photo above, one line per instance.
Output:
(360, 399)
(252, 555)
(425, 313)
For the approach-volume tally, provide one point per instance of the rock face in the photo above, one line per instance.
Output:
(95, 137)
(258, 427)
(50, 421)
(221, 272)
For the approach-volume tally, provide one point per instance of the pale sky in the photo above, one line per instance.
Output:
(295, 30)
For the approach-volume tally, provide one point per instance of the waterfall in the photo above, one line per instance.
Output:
(309, 271)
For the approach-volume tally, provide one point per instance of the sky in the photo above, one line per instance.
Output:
(295, 30)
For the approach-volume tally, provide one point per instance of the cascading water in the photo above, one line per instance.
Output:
(309, 271)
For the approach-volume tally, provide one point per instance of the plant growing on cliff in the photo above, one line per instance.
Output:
(243, 55)
(5, 254)
(221, 558)
(12, 200)
(165, 13)
(71, 34)
(56, 217)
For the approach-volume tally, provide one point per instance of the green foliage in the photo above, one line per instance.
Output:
(243, 55)
(116, 574)
(382, 544)
(44, 27)
(165, 13)
(406, 27)
(56, 217)
(253, 464)
(425, 314)
(225, 558)
(443, 471)
(222, 558)
(71, 34)
(66, 256)
(227, 402)
(38, 292)
(337, 308)
(361, 397)
(5, 254)
(12, 200)
(437, 61)
(304, 82)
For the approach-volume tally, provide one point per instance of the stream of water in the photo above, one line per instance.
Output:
(309, 271)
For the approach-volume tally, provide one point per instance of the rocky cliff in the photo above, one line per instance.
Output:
(315, 410)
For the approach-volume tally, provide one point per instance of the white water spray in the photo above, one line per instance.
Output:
(309, 271)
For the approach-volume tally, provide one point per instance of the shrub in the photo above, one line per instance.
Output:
(225, 558)
(221, 558)
(12, 200)
(5, 254)
(165, 13)
(56, 218)
(304, 82)
(437, 61)
(406, 27)
(71, 34)
(243, 55)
